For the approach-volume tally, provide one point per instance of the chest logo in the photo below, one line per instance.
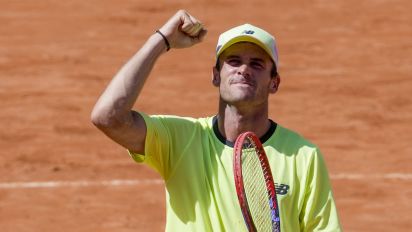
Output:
(281, 189)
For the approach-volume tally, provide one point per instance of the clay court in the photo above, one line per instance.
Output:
(346, 83)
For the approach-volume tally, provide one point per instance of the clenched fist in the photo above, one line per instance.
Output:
(183, 30)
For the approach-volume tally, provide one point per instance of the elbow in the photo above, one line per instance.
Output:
(104, 119)
(98, 118)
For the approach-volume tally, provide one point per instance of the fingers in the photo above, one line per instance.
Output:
(183, 30)
(200, 36)
(190, 25)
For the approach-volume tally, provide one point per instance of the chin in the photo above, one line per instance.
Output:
(238, 99)
(238, 94)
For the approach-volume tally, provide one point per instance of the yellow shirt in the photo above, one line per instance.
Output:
(196, 165)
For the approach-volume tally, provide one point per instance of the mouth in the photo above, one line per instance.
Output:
(242, 82)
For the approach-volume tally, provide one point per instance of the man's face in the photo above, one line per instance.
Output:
(245, 75)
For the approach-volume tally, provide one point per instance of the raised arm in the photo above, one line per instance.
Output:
(113, 113)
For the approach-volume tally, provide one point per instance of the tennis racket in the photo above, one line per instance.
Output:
(254, 185)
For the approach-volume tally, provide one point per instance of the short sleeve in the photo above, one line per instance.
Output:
(157, 142)
(319, 212)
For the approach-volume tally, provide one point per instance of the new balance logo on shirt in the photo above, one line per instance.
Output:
(281, 189)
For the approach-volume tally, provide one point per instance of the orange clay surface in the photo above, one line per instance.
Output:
(346, 85)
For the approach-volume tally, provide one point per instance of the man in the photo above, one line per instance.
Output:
(194, 156)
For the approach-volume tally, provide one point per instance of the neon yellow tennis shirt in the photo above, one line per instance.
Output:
(195, 162)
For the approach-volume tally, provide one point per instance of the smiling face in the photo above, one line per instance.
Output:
(245, 75)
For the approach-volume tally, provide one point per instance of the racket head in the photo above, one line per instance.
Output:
(254, 184)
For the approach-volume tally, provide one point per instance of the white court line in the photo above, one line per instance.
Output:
(82, 183)
(388, 176)
(86, 183)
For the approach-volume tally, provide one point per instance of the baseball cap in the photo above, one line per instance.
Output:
(248, 33)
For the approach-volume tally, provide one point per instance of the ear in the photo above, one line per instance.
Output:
(274, 84)
(216, 77)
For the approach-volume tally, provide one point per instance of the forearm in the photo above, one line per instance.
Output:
(113, 113)
(116, 102)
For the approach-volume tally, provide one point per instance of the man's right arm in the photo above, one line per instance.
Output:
(113, 113)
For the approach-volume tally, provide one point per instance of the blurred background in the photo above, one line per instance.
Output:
(345, 67)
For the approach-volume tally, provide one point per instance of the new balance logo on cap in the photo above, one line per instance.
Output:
(248, 32)
(251, 34)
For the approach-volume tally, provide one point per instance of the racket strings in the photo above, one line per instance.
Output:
(255, 187)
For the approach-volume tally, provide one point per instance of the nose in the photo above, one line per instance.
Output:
(244, 70)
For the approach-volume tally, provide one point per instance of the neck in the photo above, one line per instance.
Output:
(233, 120)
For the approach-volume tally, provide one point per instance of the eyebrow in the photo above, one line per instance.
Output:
(258, 60)
(231, 57)
(253, 59)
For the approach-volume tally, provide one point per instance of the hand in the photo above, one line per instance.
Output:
(183, 30)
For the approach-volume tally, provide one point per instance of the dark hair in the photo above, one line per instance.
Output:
(273, 72)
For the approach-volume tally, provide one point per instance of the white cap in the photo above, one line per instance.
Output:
(248, 33)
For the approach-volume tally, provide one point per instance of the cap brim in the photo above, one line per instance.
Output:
(245, 38)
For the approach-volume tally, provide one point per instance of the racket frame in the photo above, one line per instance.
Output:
(270, 184)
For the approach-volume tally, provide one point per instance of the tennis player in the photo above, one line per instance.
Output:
(194, 155)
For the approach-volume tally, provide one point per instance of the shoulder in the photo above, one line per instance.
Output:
(292, 139)
(177, 122)
(295, 146)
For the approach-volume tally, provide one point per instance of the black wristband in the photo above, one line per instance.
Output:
(165, 39)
